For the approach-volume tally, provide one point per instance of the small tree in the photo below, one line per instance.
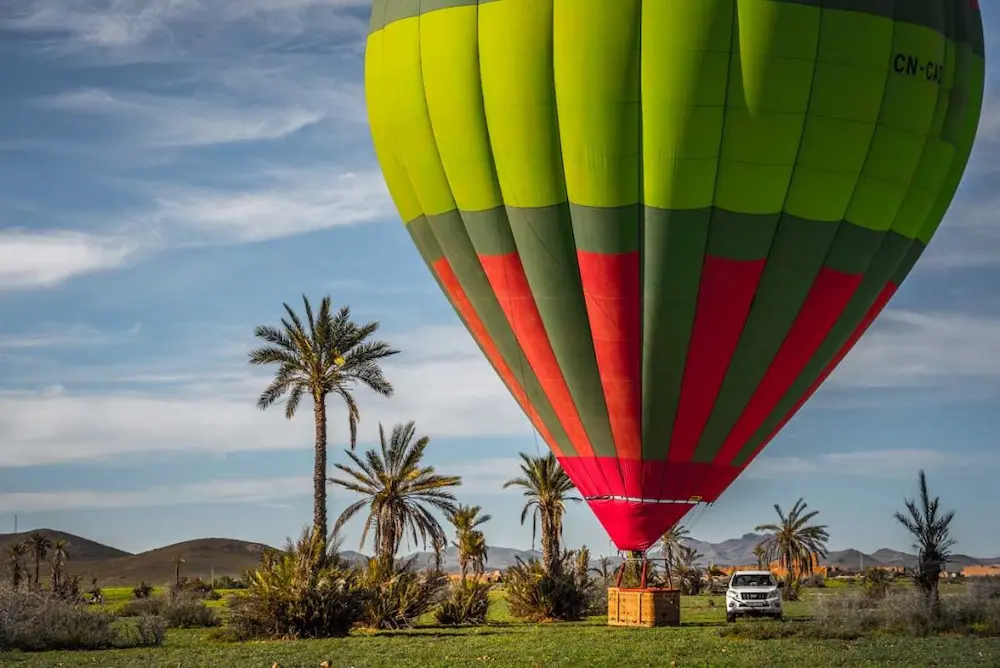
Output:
(60, 555)
(671, 546)
(15, 562)
(38, 546)
(469, 540)
(794, 544)
(932, 531)
(178, 560)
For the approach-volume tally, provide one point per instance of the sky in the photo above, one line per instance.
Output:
(171, 171)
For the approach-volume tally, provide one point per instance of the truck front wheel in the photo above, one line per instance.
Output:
(730, 617)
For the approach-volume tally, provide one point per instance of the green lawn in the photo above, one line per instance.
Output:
(507, 643)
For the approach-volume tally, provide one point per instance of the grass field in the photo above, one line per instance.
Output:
(505, 642)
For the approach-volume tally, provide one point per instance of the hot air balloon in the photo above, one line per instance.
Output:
(665, 222)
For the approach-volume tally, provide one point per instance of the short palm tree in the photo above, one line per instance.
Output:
(60, 555)
(15, 562)
(469, 540)
(932, 531)
(329, 354)
(604, 569)
(38, 546)
(760, 553)
(547, 488)
(397, 490)
(178, 560)
(670, 547)
(792, 543)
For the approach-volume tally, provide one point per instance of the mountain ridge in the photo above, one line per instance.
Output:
(205, 557)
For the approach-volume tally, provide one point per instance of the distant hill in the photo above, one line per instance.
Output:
(202, 558)
(226, 556)
(80, 549)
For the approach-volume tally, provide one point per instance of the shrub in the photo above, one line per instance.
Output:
(907, 612)
(226, 582)
(142, 590)
(536, 595)
(467, 603)
(186, 614)
(814, 580)
(302, 592)
(179, 613)
(876, 582)
(195, 588)
(397, 595)
(38, 621)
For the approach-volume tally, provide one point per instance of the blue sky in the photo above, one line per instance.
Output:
(172, 170)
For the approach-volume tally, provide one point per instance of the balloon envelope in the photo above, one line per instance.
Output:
(666, 221)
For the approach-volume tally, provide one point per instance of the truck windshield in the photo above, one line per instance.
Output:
(752, 581)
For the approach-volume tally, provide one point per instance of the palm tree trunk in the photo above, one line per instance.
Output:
(38, 563)
(319, 471)
(548, 545)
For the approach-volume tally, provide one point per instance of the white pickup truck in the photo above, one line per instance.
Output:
(753, 593)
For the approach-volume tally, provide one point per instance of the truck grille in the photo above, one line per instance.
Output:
(753, 596)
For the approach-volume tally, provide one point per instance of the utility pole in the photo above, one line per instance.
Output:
(15, 522)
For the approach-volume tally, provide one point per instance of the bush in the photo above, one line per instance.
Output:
(397, 595)
(179, 613)
(226, 582)
(184, 614)
(536, 595)
(195, 588)
(814, 580)
(907, 612)
(876, 582)
(467, 603)
(142, 590)
(302, 592)
(38, 621)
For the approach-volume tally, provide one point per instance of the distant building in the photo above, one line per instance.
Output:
(776, 568)
(981, 571)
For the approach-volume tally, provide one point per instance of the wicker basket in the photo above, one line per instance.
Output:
(644, 607)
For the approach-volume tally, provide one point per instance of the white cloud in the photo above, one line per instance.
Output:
(151, 30)
(908, 349)
(164, 121)
(63, 336)
(46, 259)
(482, 478)
(444, 385)
(293, 201)
(882, 463)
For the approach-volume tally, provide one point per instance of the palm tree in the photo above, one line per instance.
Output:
(15, 561)
(470, 541)
(439, 544)
(670, 547)
(604, 569)
(38, 546)
(793, 544)
(332, 356)
(397, 490)
(546, 490)
(932, 531)
(178, 560)
(760, 552)
(60, 554)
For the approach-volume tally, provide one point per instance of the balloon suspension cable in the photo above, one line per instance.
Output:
(632, 556)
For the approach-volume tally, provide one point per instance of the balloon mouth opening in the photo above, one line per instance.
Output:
(633, 524)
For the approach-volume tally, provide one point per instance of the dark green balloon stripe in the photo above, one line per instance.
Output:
(445, 237)
(673, 251)
(793, 261)
(547, 249)
(923, 13)
(892, 254)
